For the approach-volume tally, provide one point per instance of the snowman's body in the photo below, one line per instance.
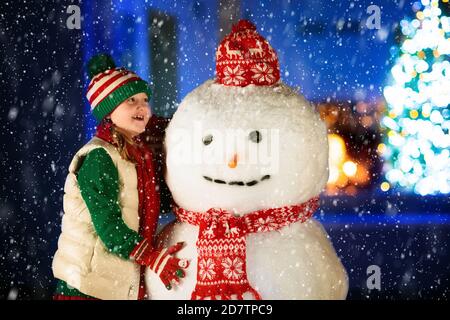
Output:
(213, 161)
(297, 262)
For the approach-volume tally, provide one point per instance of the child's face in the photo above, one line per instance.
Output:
(133, 114)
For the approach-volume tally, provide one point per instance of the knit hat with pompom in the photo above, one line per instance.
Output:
(110, 86)
(244, 57)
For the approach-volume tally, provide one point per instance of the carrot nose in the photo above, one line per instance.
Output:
(233, 162)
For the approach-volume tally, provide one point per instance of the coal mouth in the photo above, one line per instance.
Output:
(237, 183)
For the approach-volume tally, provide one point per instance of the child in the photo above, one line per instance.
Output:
(111, 203)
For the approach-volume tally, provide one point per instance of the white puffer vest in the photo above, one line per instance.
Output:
(82, 260)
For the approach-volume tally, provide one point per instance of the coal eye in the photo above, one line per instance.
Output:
(207, 139)
(255, 136)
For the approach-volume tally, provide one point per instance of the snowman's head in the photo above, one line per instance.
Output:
(245, 148)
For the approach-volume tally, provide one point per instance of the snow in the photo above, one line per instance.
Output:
(43, 112)
(298, 169)
(293, 148)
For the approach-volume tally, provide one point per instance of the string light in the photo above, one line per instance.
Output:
(385, 186)
(416, 149)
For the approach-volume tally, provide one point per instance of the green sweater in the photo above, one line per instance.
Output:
(98, 180)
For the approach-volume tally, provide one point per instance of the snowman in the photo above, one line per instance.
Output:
(247, 157)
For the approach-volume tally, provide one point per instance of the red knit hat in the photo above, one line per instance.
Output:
(244, 57)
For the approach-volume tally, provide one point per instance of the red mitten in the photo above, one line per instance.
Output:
(161, 261)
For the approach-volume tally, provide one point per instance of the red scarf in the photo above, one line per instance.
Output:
(146, 184)
(221, 245)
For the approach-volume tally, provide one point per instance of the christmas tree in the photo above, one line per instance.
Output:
(417, 121)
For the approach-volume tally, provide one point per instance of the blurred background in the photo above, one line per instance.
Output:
(378, 72)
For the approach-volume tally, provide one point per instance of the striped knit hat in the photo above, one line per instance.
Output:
(110, 86)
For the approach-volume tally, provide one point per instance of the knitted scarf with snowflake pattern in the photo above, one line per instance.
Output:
(221, 245)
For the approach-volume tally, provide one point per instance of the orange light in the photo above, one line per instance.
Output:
(366, 121)
(338, 151)
(385, 186)
(381, 148)
(345, 173)
(414, 114)
(349, 168)
(362, 175)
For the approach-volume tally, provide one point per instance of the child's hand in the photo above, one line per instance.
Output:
(162, 262)
(172, 270)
